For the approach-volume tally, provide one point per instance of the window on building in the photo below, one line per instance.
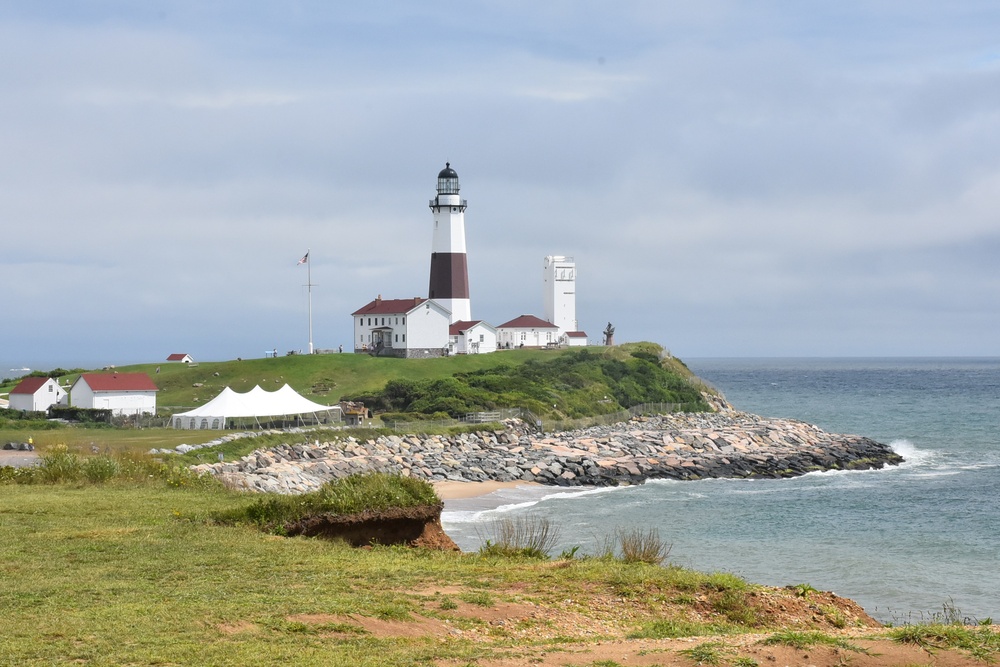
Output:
(397, 338)
(404, 319)
(481, 338)
(404, 338)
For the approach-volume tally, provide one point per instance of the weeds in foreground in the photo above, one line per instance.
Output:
(709, 653)
(527, 536)
(671, 629)
(642, 546)
(804, 640)
(980, 642)
(733, 604)
(803, 590)
(61, 466)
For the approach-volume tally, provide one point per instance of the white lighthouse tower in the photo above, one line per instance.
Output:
(449, 284)
(559, 286)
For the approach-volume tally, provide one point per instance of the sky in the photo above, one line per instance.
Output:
(733, 179)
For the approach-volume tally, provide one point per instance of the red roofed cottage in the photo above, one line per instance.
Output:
(181, 357)
(36, 394)
(122, 393)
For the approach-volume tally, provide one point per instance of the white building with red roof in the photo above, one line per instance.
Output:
(36, 394)
(122, 393)
(574, 339)
(472, 337)
(404, 328)
(527, 331)
(181, 357)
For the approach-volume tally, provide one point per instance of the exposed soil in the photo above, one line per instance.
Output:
(410, 526)
(517, 627)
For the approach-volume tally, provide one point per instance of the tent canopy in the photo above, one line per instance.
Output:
(255, 404)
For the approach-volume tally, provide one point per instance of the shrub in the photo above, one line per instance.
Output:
(59, 465)
(98, 469)
(642, 546)
(528, 536)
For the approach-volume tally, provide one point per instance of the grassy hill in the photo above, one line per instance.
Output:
(329, 378)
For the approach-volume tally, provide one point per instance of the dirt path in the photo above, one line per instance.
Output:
(18, 459)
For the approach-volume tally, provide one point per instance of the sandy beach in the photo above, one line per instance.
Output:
(449, 490)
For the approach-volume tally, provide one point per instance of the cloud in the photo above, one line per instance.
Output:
(731, 180)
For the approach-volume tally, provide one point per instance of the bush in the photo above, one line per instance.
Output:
(527, 536)
(642, 546)
(99, 469)
(60, 465)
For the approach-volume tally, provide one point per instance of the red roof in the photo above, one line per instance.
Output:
(382, 306)
(179, 356)
(460, 326)
(576, 334)
(29, 385)
(527, 322)
(118, 382)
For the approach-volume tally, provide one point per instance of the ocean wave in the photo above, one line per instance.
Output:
(911, 455)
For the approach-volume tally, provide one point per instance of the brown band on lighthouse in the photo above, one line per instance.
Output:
(449, 276)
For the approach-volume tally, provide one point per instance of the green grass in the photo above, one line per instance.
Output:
(803, 640)
(981, 642)
(350, 495)
(669, 629)
(134, 571)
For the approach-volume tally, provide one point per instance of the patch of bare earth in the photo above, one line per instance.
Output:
(517, 627)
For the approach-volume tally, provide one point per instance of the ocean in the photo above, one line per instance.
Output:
(906, 542)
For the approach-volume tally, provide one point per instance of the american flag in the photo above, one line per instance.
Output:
(305, 258)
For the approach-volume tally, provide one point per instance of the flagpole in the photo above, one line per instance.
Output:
(310, 283)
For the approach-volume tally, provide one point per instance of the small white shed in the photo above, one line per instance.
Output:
(472, 337)
(36, 394)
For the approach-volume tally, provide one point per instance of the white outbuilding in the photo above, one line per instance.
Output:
(472, 337)
(36, 394)
(122, 393)
(405, 328)
(527, 331)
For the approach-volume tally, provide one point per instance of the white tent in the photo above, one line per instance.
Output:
(254, 404)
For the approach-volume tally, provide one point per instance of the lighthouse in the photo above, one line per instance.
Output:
(449, 284)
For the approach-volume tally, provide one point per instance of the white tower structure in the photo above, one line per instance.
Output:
(559, 286)
(449, 284)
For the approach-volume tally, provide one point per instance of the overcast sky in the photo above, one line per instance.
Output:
(733, 178)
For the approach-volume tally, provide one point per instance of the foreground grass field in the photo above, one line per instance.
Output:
(134, 572)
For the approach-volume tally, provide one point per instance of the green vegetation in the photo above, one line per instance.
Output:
(672, 628)
(572, 383)
(803, 640)
(525, 536)
(641, 546)
(556, 385)
(982, 643)
(351, 495)
(58, 465)
(707, 653)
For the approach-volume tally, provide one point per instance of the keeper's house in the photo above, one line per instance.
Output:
(36, 394)
(404, 328)
(122, 393)
(527, 331)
